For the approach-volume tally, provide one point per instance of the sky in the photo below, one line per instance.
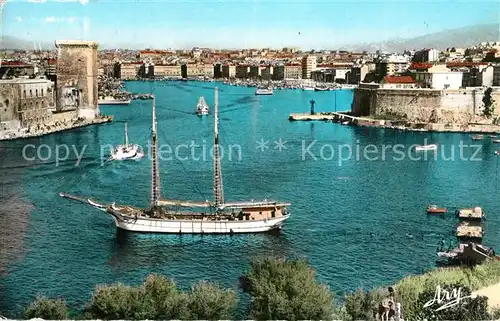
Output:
(319, 24)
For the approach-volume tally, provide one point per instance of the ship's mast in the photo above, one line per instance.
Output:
(155, 177)
(218, 189)
(126, 135)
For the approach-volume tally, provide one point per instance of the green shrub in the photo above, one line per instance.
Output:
(287, 290)
(159, 299)
(48, 309)
(361, 305)
(466, 309)
(210, 302)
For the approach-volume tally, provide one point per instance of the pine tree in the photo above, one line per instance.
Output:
(489, 103)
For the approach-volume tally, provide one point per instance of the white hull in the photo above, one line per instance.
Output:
(426, 147)
(113, 102)
(127, 152)
(308, 88)
(147, 225)
(264, 92)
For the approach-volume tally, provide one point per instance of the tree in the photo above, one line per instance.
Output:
(489, 103)
(48, 309)
(286, 290)
(467, 308)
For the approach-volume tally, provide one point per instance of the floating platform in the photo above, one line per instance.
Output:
(321, 116)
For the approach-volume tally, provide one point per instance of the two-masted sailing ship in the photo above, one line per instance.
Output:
(187, 217)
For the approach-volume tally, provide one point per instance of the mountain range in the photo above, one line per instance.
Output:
(460, 37)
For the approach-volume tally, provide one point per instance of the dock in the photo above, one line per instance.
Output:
(333, 116)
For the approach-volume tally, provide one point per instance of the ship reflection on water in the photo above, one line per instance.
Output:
(132, 251)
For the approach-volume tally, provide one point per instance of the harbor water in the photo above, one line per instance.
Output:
(359, 220)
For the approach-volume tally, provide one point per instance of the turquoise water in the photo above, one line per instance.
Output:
(349, 219)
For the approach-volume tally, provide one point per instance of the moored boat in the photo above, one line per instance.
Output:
(264, 91)
(113, 101)
(477, 137)
(426, 147)
(186, 217)
(433, 209)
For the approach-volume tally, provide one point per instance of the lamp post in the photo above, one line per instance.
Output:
(312, 102)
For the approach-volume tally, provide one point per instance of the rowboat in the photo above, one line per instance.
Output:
(433, 209)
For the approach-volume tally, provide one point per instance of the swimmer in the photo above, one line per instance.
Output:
(409, 235)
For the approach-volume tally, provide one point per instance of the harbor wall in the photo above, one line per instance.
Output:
(461, 106)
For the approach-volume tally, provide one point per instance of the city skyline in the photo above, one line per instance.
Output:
(230, 24)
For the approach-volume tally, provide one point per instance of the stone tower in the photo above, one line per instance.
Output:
(77, 77)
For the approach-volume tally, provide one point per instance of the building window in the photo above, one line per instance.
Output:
(42, 91)
(24, 93)
(31, 93)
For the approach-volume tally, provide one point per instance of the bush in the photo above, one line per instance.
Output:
(159, 299)
(48, 309)
(209, 302)
(467, 309)
(362, 305)
(286, 290)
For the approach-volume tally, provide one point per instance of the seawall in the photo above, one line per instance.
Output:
(446, 107)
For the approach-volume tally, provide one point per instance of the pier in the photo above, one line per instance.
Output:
(333, 116)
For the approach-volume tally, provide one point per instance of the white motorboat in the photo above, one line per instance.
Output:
(426, 147)
(127, 151)
(307, 88)
(264, 91)
(113, 101)
(202, 108)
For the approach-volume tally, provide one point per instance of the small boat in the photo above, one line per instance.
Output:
(493, 136)
(321, 89)
(433, 209)
(127, 151)
(307, 88)
(477, 137)
(345, 122)
(426, 147)
(496, 141)
(113, 101)
(202, 107)
(264, 91)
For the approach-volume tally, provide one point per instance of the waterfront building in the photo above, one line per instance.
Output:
(324, 75)
(25, 103)
(218, 71)
(358, 74)
(398, 82)
(12, 69)
(242, 71)
(228, 71)
(49, 68)
(293, 71)
(254, 72)
(266, 72)
(390, 65)
(127, 70)
(77, 77)
(478, 76)
(438, 76)
(166, 70)
(308, 65)
(278, 72)
(496, 75)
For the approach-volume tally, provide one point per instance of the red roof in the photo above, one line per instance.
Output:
(420, 65)
(152, 52)
(51, 61)
(400, 80)
(465, 64)
(14, 64)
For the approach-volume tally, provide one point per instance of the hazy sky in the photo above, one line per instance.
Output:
(237, 24)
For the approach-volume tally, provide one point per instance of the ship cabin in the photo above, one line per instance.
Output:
(256, 211)
(468, 232)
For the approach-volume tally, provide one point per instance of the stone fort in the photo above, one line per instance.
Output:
(76, 84)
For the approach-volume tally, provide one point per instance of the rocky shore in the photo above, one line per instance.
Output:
(55, 127)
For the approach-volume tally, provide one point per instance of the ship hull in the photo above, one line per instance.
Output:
(114, 102)
(142, 225)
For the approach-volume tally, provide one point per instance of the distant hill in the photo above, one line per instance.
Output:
(460, 37)
(8, 42)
